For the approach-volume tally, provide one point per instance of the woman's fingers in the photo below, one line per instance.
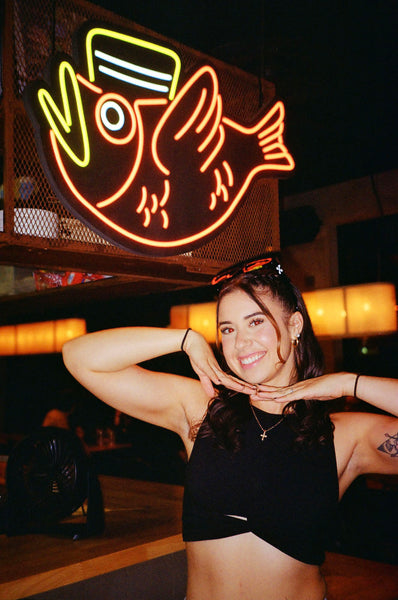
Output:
(325, 387)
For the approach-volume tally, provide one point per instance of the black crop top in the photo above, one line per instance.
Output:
(286, 495)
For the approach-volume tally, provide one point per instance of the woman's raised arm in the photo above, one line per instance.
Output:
(107, 364)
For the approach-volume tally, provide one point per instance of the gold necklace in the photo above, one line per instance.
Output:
(265, 431)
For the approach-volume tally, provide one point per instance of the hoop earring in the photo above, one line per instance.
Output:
(295, 340)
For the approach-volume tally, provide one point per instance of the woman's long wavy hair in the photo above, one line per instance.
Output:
(229, 409)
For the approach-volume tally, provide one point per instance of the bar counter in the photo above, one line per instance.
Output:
(143, 527)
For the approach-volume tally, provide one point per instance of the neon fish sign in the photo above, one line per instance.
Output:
(142, 155)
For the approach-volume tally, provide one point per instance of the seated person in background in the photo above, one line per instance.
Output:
(63, 414)
(56, 418)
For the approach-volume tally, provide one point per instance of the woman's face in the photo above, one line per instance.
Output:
(250, 342)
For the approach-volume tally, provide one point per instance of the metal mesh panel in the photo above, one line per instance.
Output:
(36, 217)
(241, 238)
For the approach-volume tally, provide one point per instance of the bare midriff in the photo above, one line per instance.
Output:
(245, 567)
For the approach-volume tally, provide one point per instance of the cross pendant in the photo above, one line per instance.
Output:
(263, 436)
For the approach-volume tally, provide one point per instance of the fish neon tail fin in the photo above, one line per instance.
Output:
(269, 131)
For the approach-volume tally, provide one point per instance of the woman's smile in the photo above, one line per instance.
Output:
(251, 360)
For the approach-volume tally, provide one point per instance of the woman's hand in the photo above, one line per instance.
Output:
(326, 387)
(207, 368)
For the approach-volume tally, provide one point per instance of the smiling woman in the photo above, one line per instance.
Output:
(267, 463)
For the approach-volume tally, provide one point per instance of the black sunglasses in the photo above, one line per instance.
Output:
(268, 263)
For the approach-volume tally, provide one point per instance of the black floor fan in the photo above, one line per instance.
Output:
(49, 476)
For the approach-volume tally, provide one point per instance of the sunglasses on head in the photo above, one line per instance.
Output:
(268, 263)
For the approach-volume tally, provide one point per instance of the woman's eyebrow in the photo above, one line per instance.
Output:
(258, 312)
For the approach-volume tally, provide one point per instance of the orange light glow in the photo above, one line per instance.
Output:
(39, 338)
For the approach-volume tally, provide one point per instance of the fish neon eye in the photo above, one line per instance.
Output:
(113, 113)
(110, 123)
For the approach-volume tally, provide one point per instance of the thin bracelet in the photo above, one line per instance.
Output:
(184, 338)
(355, 387)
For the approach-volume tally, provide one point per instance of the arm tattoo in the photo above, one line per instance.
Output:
(390, 445)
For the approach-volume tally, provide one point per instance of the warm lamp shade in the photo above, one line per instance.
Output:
(8, 340)
(351, 311)
(200, 317)
(327, 311)
(39, 338)
(371, 309)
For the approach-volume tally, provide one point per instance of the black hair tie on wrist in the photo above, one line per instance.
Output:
(184, 338)
(355, 387)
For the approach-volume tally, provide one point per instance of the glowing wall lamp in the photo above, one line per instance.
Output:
(351, 311)
(44, 337)
(200, 317)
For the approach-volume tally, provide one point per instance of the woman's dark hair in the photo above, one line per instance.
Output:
(229, 409)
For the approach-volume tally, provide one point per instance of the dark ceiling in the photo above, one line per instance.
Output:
(334, 65)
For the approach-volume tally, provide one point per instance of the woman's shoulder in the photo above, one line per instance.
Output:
(351, 427)
(348, 419)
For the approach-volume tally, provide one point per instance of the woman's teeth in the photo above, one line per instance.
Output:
(249, 360)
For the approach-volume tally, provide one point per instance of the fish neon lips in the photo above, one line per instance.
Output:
(148, 161)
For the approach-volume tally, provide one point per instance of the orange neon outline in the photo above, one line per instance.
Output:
(213, 130)
(172, 106)
(229, 172)
(217, 175)
(270, 147)
(133, 172)
(140, 151)
(166, 194)
(129, 108)
(165, 219)
(276, 135)
(215, 151)
(278, 106)
(144, 196)
(88, 84)
(275, 155)
(136, 238)
(206, 118)
(147, 217)
(195, 113)
(276, 129)
(213, 201)
(155, 203)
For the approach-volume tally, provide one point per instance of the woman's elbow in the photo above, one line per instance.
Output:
(69, 355)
